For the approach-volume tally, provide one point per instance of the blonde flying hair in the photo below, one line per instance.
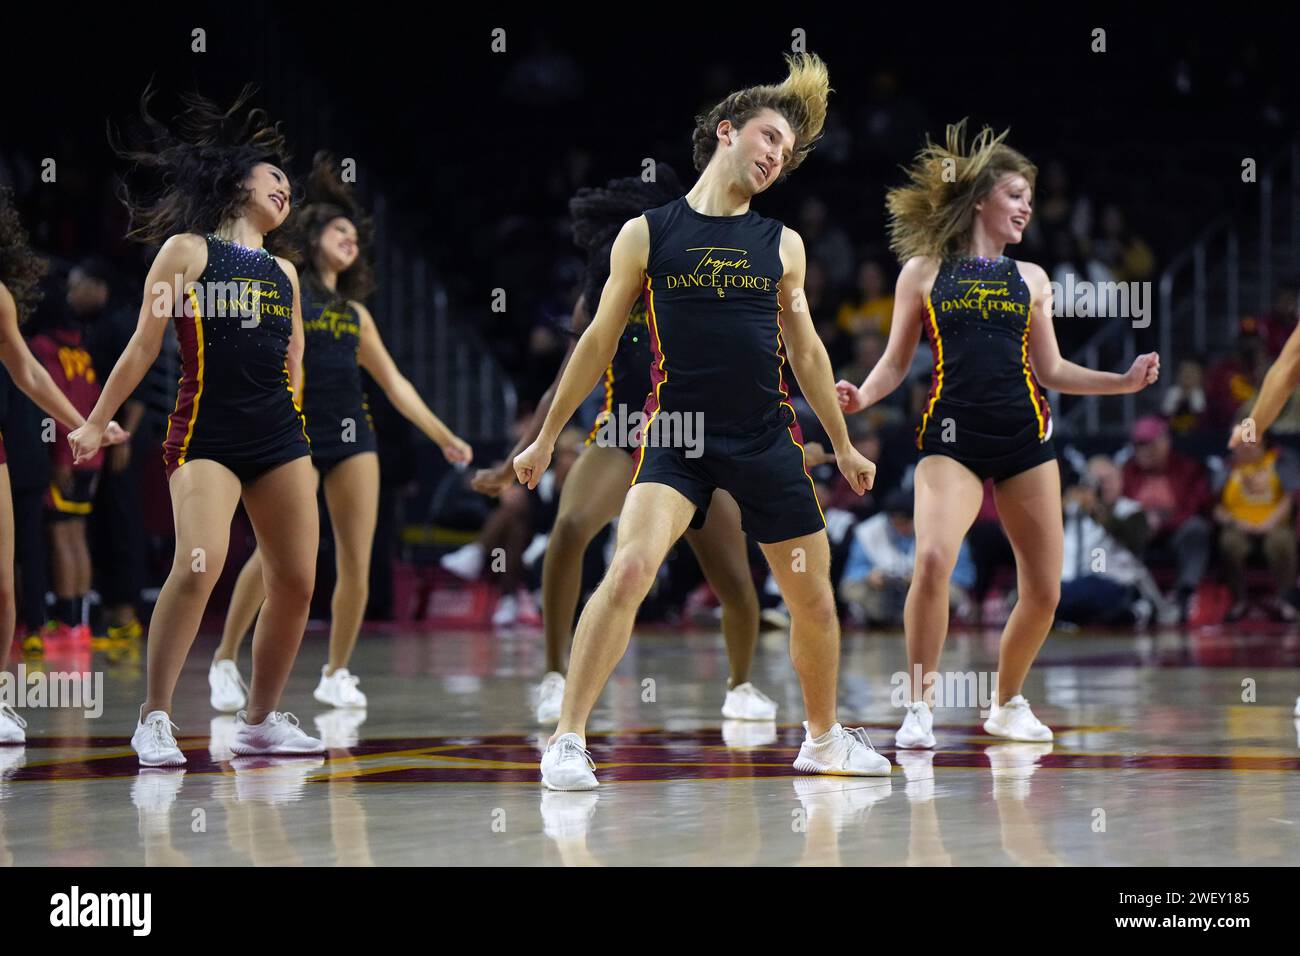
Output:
(934, 213)
(800, 98)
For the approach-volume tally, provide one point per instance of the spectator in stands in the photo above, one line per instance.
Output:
(1174, 493)
(1255, 517)
(871, 308)
(1184, 402)
(1104, 533)
(1275, 326)
(826, 242)
(1235, 379)
(879, 570)
(1126, 255)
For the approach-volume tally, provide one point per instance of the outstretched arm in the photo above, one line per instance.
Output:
(904, 335)
(26, 369)
(595, 349)
(1058, 374)
(375, 359)
(1279, 382)
(812, 366)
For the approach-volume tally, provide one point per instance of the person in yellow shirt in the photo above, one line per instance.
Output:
(1254, 513)
(872, 308)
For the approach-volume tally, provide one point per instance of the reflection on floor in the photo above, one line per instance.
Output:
(1174, 749)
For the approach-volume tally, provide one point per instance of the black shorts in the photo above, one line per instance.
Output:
(326, 463)
(993, 461)
(249, 471)
(763, 470)
(76, 502)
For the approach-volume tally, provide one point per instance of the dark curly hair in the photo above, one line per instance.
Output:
(189, 176)
(600, 212)
(329, 198)
(21, 270)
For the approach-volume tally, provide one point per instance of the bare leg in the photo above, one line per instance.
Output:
(80, 557)
(593, 493)
(801, 567)
(1030, 508)
(720, 548)
(948, 497)
(62, 561)
(653, 518)
(8, 604)
(204, 497)
(352, 496)
(282, 507)
(245, 601)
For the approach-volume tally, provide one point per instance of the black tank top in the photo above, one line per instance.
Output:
(977, 320)
(234, 402)
(715, 331)
(627, 379)
(333, 399)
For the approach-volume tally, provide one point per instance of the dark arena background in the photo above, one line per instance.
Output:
(1165, 214)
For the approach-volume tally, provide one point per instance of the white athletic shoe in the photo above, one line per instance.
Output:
(1297, 706)
(845, 751)
(465, 562)
(229, 692)
(1015, 721)
(154, 742)
(917, 729)
(566, 765)
(11, 727)
(550, 697)
(339, 689)
(747, 702)
(507, 611)
(277, 734)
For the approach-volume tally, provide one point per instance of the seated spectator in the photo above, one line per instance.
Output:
(872, 308)
(1104, 532)
(1184, 404)
(879, 570)
(1234, 379)
(1255, 517)
(1173, 491)
(1126, 255)
(1276, 326)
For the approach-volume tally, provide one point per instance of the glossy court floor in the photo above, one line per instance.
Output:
(1158, 759)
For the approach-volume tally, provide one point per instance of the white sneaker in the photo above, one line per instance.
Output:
(747, 702)
(507, 611)
(550, 698)
(566, 765)
(11, 727)
(339, 689)
(277, 734)
(841, 751)
(229, 692)
(154, 742)
(1297, 706)
(918, 724)
(465, 562)
(1015, 721)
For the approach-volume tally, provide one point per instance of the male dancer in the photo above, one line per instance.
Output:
(718, 278)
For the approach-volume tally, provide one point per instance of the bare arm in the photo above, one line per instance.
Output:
(904, 335)
(1059, 374)
(596, 348)
(374, 357)
(1279, 382)
(26, 369)
(298, 337)
(181, 258)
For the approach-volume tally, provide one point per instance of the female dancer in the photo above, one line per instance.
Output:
(598, 482)
(20, 271)
(989, 321)
(341, 339)
(236, 431)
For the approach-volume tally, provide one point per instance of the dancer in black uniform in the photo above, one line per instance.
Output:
(341, 339)
(597, 484)
(724, 302)
(236, 431)
(989, 322)
(20, 272)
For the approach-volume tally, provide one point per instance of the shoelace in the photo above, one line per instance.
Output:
(162, 731)
(350, 682)
(569, 749)
(276, 717)
(12, 715)
(858, 735)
